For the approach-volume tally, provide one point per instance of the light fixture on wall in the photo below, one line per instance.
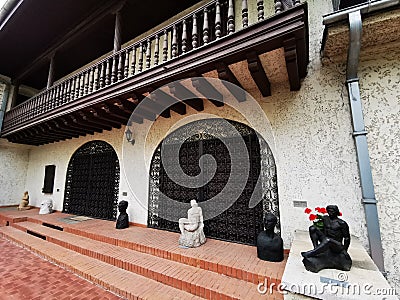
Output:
(129, 137)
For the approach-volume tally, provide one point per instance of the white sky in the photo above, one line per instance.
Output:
(2, 3)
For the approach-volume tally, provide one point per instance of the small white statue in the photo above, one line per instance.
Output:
(46, 207)
(192, 234)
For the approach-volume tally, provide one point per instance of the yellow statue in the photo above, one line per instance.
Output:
(24, 202)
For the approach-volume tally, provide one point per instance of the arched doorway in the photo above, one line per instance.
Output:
(239, 223)
(92, 182)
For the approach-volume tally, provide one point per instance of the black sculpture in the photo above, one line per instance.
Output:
(269, 244)
(330, 244)
(123, 218)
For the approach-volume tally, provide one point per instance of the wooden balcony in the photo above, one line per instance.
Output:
(103, 95)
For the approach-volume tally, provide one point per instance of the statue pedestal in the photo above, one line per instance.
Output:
(192, 239)
(332, 284)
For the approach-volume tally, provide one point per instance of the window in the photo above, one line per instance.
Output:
(49, 174)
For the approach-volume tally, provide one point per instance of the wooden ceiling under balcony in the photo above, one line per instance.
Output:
(96, 106)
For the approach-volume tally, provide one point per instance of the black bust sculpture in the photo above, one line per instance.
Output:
(123, 219)
(269, 244)
(330, 244)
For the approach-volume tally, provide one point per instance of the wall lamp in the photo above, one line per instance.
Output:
(129, 138)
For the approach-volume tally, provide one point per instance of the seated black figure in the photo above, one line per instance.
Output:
(330, 244)
(269, 244)
(123, 218)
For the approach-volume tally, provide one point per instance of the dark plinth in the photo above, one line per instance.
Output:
(270, 249)
(122, 221)
(328, 260)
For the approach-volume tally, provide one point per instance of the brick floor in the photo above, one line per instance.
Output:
(27, 276)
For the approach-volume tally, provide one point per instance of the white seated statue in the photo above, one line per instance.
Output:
(192, 234)
(46, 207)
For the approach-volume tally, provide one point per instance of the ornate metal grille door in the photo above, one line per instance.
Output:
(92, 183)
(239, 223)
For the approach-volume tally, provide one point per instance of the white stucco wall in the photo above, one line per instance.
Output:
(13, 168)
(314, 149)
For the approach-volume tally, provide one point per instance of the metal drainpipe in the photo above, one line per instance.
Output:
(4, 104)
(360, 138)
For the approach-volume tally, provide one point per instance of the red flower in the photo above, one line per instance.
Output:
(340, 214)
(307, 210)
(312, 217)
(323, 210)
(318, 209)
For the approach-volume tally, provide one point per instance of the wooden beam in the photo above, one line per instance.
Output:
(225, 74)
(91, 123)
(128, 107)
(60, 125)
(208, 91)
(289, 47)
(82, 123)
(65, 39)
(257, 72)
(71, 124)
(53, 130)
(179, 91)
(169, 101)
(104, 117)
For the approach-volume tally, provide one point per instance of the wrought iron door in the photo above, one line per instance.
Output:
(92, 183)
(238, 223)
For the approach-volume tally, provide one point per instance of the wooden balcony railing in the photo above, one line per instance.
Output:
(198, 29)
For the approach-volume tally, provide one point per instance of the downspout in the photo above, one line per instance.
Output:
(4, 103)
(360, 138)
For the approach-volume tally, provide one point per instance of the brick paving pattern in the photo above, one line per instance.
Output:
(27, 276)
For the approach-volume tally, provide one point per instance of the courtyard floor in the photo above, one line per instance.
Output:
(27, 276)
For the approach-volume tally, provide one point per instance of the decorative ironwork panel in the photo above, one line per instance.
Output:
(238, 223)
(92, 183)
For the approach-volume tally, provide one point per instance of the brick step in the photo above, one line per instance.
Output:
(198, 281)
(119, 281)
(230, 259)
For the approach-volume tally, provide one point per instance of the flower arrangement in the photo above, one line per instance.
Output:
(317, 216)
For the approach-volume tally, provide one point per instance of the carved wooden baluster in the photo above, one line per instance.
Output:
(107, 73)
(133, 64)
(66, 94)
(231, 17)
(218, 27)
(148, 54)
(184, 37)
(174, 46)
(58, 95)
(63, 93)
(68, 90)
(100, 75)
(206, 37)
(245, 14)
(156, 49)
(165, 46)
(92, 80)
(120, 71)
(278, 6)
(194, 32)
(114, 69)
(260, 8)
(82, 84)
(77, 79)
(126, 64)
(87, 78)
(140, 62)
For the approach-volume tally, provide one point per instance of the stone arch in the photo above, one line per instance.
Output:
(248, 220)
(92, 181)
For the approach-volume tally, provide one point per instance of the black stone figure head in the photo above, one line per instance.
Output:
(333, 211)
(122, 206)
(270, 221)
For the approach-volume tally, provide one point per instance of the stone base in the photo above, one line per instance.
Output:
(24, 208)
(192, 239)
(328, 260)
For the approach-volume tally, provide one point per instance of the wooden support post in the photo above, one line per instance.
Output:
(257, 72)
(117, 32)
(50, 77)
(291, 63)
